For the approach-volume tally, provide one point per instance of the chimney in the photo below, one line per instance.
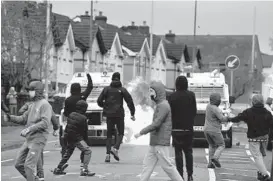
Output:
(144, 29)
(100, 19)
(85, 19)
(132, 28)
(170, 36)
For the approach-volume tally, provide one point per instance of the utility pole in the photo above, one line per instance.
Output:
(91, 37)
(151, 41)
(46, 47)
(194, 33)
(253, 50)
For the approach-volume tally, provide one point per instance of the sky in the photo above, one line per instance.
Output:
(213, 17)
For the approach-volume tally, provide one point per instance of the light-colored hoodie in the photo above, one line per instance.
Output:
(161, 126)
(214, 116)
(38, 117)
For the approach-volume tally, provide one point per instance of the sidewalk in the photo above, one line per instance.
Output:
(10, 137)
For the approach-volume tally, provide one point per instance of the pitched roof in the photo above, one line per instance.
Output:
(133, 42)
(62, 24)
(174, 51)
(215, 48)
(108, 32)
(267, 60)
(156, 41)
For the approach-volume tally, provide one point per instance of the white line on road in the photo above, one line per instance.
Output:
(233, 157)
(238, 161)
(54, 141)
(8, 160)
(234, 154)
(248, 152)
(17, 177)
(211, 171)
(207, 151)
(229, 180)
(236, 169)
(236, 174)
(247, 146)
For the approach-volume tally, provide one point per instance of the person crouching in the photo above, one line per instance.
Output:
(76, 131)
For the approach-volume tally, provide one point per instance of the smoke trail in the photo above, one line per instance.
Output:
(139, 89)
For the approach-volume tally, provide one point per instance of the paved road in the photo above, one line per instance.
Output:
(236, 164)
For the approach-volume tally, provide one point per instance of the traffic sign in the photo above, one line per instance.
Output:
(232, 62)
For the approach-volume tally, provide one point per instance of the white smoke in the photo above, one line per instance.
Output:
(139, 89)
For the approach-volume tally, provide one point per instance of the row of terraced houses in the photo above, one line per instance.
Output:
(126, 50)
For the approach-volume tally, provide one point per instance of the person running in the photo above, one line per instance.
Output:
(111, 100)
(76, 130)
(70, 104)
(212, 130)
(55, 123)
(37, 120)
(259, 121)
(160, 135)
(183, 107)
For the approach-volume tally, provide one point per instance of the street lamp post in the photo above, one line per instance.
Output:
(91, 36)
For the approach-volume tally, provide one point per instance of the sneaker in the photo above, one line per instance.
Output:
(210, 165)
(190, 178)
(64, 166)
(40, 176)
(216, 162)
(86, 172)
(265, 178)
(107, 159)
(259, 175)
(58, 171)
(114, 152)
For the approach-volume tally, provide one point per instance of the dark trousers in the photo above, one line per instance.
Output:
(182, 142)
(111, 123)
(64, 143)
(81, 145)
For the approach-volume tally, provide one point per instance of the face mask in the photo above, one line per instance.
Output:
(31, 94)
(152, 94)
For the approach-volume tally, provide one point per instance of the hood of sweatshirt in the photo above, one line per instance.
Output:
(38, 87)
(215, 99)
(159, 90)
(181, 83)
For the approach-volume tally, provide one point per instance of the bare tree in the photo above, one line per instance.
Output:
(23, 39)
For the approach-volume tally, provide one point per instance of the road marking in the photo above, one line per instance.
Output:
(46, 151)
(54, 141)
(153, 174)
(8, 160)
(247, 146)
(207, 151)
(233, 154)
(248, 152)
(17, 177)
(236, 174)
(238, 161)
(211, 171)
(250, 170)
(230, 180)
(230, 157)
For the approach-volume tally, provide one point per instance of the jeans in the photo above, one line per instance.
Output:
(159, 154)
(111, 123)
(40, 166)
(81, 145)
(257, 150)
(27, 159)
(182, 141)
(64, 144)
(216, 144)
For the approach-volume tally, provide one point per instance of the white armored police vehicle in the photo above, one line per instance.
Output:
(96, 122)
(203, 84)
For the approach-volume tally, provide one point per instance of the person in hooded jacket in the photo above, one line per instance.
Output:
(111, 100)
(70, 106)
(259, 121)
(212, 130)
(183, 106)
(160, 136)
(37, 121)
(76, 130)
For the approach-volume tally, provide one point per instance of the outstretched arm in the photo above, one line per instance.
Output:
(89, 88)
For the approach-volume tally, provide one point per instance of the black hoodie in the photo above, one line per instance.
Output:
(111, 100)
(183, 105)
(76, 95)
(258, 119)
